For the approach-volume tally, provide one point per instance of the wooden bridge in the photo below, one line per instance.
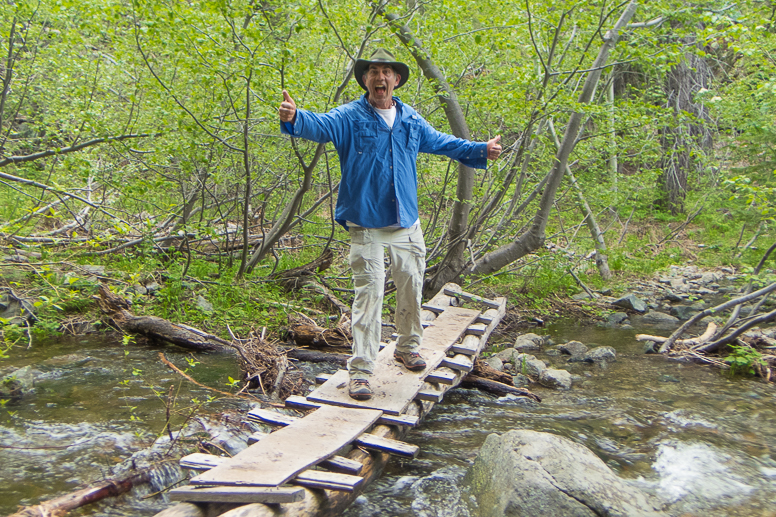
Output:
(291, 465)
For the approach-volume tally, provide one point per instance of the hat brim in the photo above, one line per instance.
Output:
(362, 65)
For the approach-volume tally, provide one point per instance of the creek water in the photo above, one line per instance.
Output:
(697, 440)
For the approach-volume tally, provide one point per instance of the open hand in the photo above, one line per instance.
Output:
(287, 109)
(494, 149)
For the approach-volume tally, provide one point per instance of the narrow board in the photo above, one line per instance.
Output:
(393, 385)
(290, 450)
(231, 494)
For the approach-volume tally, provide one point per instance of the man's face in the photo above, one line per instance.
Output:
(380, 80)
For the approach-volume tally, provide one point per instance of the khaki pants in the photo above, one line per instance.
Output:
(408, 264)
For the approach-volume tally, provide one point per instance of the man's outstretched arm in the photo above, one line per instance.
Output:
(321, 128)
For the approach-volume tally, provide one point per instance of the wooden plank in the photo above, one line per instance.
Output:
(200, 461)
(441, 377)
(287, 452)
(255, 437)
(232, 494)
(328, 480)
(393, 385)
(343, 464)
(429, 395)
(492, 304)
(322, 377)
(485, 320)
(395, 447)
(268, 416)
(478, 329)
(298, 402)
(433, 308)
(463, 364)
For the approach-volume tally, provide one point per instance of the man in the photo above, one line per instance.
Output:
(378, 139)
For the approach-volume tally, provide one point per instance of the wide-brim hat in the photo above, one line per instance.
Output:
(382, 57)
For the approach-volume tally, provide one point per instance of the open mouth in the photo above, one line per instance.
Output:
(380, 89)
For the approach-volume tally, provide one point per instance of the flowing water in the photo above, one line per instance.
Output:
(696, 439)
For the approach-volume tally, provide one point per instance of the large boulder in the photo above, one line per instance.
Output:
(601, 354)
(528, 473)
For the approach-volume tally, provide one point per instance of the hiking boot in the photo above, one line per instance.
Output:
(411, 360)
(359, 389)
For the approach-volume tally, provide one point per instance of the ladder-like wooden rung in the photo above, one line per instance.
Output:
(433, 308)
(478, 329)
(200, 461)
(370, 441)
(271, 417)
(441, 377)
(459, 348)
(462, 365)
(255, 437)
(322, 377)
(343, 464)
(472, 298)
(328, 480)
(430, 396)
(298, 402)
(237, 494)
(485, 320)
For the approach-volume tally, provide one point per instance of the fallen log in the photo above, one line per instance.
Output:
(497, 388)
(703, 338)
(314, 356)
(109, 488)
(117, 309)
(483, 370)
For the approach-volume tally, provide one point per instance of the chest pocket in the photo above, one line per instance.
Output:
(366, 136)
(413, 135)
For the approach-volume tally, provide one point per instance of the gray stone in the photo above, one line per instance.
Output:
(650, 347)
(94, 270)
(684, 312)
(709, 278)
(673, 297)
(529, 473)
(140, 289)
(16, 311)
(507, 355)
(203, 304)
(528, 365)
(495, 363)
(520, 380)
(68, 361)
(583, 296)
(573, 348)
(659, 319)
(616, 318)
(559, 379)
(631, 301)
(528, 341)
(18, 383)
(152, 287)
(601, 354)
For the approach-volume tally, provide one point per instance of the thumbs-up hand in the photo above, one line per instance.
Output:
(494, 149)
(287, 109)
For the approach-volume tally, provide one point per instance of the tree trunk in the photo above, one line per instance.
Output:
(534, 237)
(681, 138)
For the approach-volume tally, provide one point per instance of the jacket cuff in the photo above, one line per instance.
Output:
(292, 128)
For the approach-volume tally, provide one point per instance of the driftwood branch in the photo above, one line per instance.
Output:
(703, 338)
(110, 488)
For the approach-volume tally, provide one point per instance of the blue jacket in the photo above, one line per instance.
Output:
(379, 185)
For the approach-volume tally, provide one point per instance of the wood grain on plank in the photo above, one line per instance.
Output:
(231, 494)
(393, 385)
(287, 452)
